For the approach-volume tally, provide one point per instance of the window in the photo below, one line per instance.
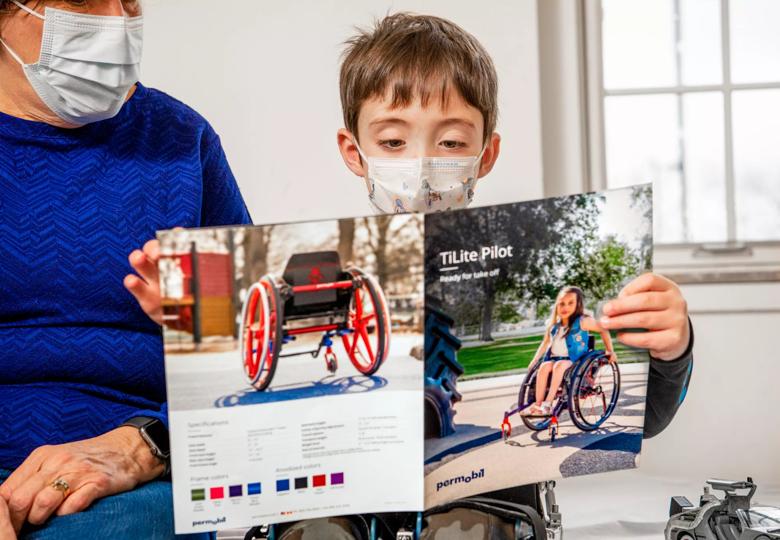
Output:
(689, 98)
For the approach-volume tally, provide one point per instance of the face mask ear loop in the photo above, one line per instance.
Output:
(28, 10)
(478, 160)
(8, 47)
(360, 151)
(11, 52)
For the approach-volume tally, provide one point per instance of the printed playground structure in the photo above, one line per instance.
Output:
(589, 391)
(349, 304)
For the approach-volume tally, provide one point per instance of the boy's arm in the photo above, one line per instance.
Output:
(666, 388)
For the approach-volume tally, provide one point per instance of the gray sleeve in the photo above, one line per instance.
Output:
(666, 388)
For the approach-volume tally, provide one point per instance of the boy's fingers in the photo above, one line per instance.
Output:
(147, 296)
(650, 320)
(145, 267)
(660, 343)
(643, 301)
(141, 290)
(152, 250)
(646, 282)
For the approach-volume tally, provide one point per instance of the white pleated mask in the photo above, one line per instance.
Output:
(424, 184)
(88, 63)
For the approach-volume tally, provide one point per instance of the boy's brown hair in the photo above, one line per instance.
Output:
(417, 55)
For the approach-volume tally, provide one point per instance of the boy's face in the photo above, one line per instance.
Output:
(436, 130)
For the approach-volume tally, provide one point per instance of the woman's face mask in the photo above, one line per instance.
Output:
(425, 184)
(88, 63)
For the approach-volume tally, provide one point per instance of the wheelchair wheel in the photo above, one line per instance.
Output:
(594, 392)
(368, 343)
(528, 395)
(261, 332)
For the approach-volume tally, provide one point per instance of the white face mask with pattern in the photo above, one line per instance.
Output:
(88, 63)
(424, 184)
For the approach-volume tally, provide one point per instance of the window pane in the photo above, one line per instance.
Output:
(757, 163)
(705, 179)
(638, 43)
(700, 46)
(642, 146)
(755, 41)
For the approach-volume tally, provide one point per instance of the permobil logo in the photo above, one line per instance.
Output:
(209, 521)
(460, 479)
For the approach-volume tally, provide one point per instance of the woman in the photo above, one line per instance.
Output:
(92, 163)
(565, 341)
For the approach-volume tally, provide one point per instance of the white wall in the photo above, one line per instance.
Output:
(728, 425)
(265, 74)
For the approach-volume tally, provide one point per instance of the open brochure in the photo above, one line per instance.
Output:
(395, 363)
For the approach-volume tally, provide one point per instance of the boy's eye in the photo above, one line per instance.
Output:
(391, 143)
(452, 145)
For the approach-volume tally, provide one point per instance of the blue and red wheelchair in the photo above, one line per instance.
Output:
(314, 294)
(589, 391)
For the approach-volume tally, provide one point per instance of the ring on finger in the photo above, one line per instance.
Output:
(61, 485)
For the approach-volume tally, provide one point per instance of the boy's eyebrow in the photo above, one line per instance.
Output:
(390, 120)
(443, 123)
(458, 121)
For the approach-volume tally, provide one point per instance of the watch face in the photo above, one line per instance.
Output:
(158, 434)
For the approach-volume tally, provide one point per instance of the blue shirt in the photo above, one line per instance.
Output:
(77, 354)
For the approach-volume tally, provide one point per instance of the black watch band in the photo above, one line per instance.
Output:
(155, 434)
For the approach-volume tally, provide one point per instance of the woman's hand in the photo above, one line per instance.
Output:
(94, 468)
(146, 288)
(655, 303)
(6, 529)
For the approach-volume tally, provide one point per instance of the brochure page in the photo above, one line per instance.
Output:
(292, 386)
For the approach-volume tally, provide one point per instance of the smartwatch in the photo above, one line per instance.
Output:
(155, 434)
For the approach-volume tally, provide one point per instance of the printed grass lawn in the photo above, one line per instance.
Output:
(516, 353)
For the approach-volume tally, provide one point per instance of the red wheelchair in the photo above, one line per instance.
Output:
(315, 294)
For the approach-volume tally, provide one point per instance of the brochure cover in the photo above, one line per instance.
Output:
(511, 277)
(393, 363)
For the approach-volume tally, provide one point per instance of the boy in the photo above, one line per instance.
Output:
(420, 103)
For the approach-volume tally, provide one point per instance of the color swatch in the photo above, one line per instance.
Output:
(198, 494)
(282, 485)
(302, 483)
(336, 479)
(254, 488)
(235, 491)
(217, 493)
(318, 480)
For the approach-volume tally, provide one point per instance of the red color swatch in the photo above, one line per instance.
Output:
(318, 480)
(217, 492)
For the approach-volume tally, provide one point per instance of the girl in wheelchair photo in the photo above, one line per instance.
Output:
(567, 338)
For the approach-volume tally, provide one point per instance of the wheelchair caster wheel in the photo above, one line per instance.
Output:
(332, 364)
(506, 430)
(553, 429)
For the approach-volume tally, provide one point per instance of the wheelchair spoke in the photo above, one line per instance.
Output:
(369, 348)
(368, 325)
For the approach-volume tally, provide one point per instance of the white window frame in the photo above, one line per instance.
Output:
(729, 261)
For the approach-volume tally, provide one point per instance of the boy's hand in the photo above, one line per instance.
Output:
(656, 304)
(146, 288)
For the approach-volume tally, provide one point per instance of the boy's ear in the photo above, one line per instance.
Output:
(349, 152)
(489, 157)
